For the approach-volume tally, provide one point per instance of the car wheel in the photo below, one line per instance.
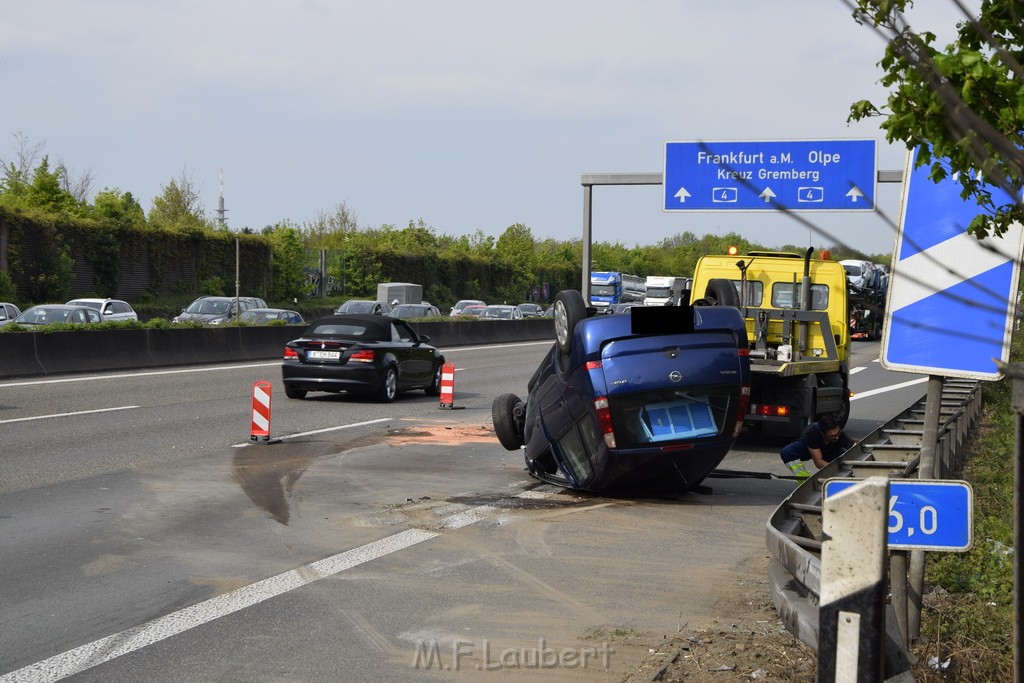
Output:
(569, 310)
(720, 292)
(435, 384)
(389, 386)
(506, 413)
(292, 392)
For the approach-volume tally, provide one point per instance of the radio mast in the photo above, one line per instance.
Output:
(222, 219)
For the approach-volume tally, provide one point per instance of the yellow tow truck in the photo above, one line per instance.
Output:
(796, 313)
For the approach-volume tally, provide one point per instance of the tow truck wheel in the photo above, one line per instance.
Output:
(721, 292)
(569, 310)
(507, 416)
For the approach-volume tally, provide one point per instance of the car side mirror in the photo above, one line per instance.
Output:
(423, 339)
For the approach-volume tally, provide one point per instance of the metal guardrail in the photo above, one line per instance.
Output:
(794, 531)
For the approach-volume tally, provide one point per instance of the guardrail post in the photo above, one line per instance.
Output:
(851, 617)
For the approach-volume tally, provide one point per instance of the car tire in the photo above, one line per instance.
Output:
(292, 392)
(569, 310)
(388, 386)
(435, 383)
(507, 426)
(720, 292)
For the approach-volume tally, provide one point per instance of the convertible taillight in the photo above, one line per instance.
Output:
(365, 356)
(604, 420)
(289, 352)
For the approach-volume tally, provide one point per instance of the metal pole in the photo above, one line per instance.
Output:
(926, 469)
(588, 227)
(898, 589)
(238, 280)
(1018, 408)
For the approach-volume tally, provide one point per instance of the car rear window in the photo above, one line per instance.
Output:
(670, 417)
(350, 331)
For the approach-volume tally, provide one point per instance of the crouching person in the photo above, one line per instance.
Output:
(821, 442)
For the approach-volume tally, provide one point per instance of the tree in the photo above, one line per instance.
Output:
(963, 107)
(289, 256)
(179, 206)
(117, 209)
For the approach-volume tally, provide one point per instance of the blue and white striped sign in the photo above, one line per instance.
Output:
(952, 297)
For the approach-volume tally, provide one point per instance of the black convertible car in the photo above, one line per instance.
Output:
(367, 354)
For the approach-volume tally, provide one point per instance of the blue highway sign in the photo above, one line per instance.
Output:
(951, 299)
(795, 175)
(923, 514)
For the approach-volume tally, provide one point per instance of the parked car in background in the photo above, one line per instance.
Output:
(48, 314)
(462, 303)
(531, 310)
(649, 401)
(264, 316)
(501, 312)
(406, 311)
(8, 312)
(373, 355)
(214, 310)
(110, 309)
(622, 308)
(364, 306)
(471, 311)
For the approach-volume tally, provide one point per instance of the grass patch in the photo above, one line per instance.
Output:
(967, 617)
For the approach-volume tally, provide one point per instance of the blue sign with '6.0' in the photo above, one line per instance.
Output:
(924, 515)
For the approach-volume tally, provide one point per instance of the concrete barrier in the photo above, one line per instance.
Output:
(30, 354)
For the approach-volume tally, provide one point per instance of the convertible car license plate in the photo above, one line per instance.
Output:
(323, 355)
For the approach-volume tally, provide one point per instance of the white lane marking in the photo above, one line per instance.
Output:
(854, 371)
(105, 649)
(79, 412)
(153, 373)
(127, 641)
(325, 429)
(882, 390)
(150, 373)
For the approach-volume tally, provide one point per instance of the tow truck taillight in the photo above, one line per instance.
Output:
(364, 356)
(604, 420)
(741, 409)
(289, 352)
(770, 410)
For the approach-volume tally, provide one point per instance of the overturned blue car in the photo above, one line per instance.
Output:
(650, 400)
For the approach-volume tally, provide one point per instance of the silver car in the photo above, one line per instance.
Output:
(110, 309)
(8, 312)
(49, 314)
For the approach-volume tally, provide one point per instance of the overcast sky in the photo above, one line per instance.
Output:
(468, 115)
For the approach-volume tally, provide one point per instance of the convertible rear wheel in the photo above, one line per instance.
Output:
(435, 384)
(292, 392)
(569, 310)
(389, 387)
(507, 413)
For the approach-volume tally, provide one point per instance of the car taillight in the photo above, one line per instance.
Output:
(365, 356)
(741, 409)
(604, 420)
(289, 352)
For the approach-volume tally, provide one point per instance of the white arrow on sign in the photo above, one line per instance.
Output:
(854, 194)
(682, 194)
(767, 195)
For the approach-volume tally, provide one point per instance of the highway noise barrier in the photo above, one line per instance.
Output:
(260, 411)
(448, 387)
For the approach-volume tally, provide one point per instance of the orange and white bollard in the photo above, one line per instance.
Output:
(448, 387)
(260, 411)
